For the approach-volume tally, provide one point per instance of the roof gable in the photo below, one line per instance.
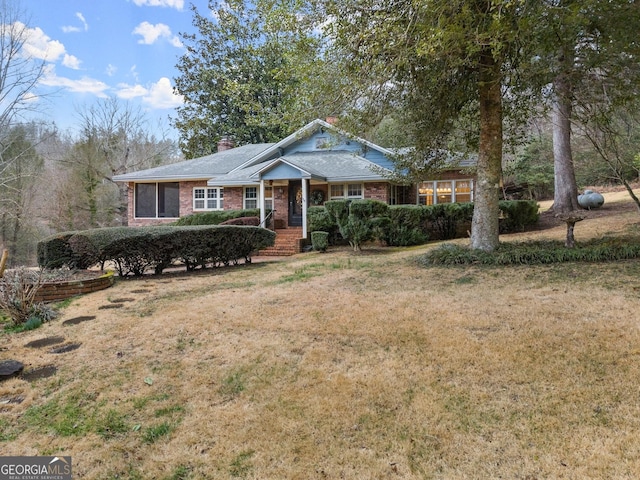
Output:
(323, 136)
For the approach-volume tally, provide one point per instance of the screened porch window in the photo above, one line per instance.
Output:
(157, 200)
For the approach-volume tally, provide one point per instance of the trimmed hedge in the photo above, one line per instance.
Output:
(415, 224)
(216, 217)
(536, 253)
(320, 241)
(135, 250)
(55, 252)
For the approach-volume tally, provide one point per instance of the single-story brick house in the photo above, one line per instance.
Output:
(317, 163)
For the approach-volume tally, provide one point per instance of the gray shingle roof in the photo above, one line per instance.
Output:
(203, 168)
(325, 165)
(334, 166)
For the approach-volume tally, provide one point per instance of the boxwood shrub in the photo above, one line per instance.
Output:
(136, 250)
(415, 224)
(216, 217)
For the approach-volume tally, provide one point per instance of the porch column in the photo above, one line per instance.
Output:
(262, 215)
(305, 202)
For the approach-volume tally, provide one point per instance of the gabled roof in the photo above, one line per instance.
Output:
(322, 165)
(303, 132)
(202, 168)
(332, 165)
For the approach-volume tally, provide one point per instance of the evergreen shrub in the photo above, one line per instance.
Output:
(135, 250)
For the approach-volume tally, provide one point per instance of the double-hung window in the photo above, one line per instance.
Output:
(250, 197)
(208, 198)
(346, 190)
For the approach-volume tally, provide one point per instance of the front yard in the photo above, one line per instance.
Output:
(342, 366)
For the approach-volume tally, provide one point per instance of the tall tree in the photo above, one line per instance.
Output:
(585, 45)
(241, 73)
(440, 60)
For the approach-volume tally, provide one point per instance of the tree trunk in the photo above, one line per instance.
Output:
(566, 190)
(484, 226)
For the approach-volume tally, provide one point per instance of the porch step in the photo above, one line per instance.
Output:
(288, 242)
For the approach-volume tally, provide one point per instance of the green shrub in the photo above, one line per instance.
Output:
(449, 220)
(516, 215)
(319, 220)
(536, 253)
(407, 225)
(320, 241)
(55, 252)
(216, 217)
(136, 250)
(358, 220)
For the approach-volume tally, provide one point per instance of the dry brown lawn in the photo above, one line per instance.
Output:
(344, 366)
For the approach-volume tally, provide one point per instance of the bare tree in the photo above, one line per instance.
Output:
(114, 138)
(19, 164)
(19, 71)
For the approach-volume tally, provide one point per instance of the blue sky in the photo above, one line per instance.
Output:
(96, 49)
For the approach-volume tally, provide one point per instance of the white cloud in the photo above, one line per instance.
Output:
(71, 61)
(177, 4)
(111, 70)
(72, 29)
(83, 85)
(134, 73)
(161, 95)
(39, 45)
(131, 91)
(151, 33)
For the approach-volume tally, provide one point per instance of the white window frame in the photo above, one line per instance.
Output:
(434, 187)
(345, 191)
(245, 198)
(219, 200)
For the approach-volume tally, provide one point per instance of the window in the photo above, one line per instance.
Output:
(208, 198)
(157, 200)
(463, 191)
(353, 190)
(446, 191)
(250, 197)
(268, 198)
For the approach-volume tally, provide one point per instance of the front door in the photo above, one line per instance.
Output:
(295, 203)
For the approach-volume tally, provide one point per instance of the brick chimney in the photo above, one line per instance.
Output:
(225, 143)
(331, 120)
